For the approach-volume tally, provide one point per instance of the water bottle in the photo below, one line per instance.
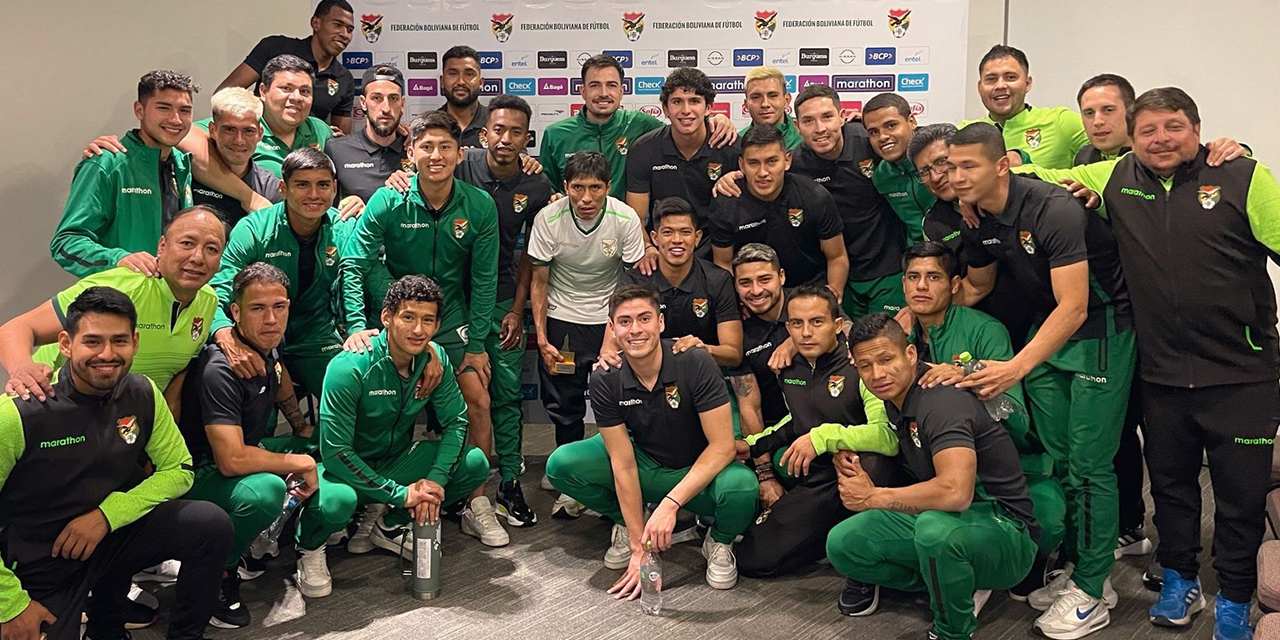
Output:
(291, 502)
(425, 584)
(651, 582)
(999, 407)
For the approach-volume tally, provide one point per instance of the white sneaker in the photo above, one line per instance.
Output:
(619, 554)
(980, 598)
(142, 597)
(313, 573)
(566, 508)
(722, 566)
(165, 573)
(359, 542)
(398, 540)
(1044, 597)
(336, 538)
(480, 520)
(546, 483)
(1075, 614)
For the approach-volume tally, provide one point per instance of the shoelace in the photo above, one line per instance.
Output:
(1176, 597)
(1233, 615)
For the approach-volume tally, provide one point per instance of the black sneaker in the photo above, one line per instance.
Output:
(512, 506)
(250, 567)
(231, 612)
(1133, 542)
(138, 615)
(1153, 577)
(858, 599)
(1035, 579)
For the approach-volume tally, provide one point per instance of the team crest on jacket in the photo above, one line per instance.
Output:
(279, 374)
(501, 25)
(197, 328)
(867, 167)
(127, 427)
(1028, 243)
(714, 169)
(633, 25)
(519, 201)
(795, 217)
(371, 27)
(330, 256)
(459, 227)
(899, 21)
(700, 307)
(766, 23)
(621, 144)
(915, 435)
(835, 384)
(1033, 138)
(1209, 195)
(609, 246)
(333, 87)
(673, 396)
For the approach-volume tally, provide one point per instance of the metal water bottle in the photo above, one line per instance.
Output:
(426, 560)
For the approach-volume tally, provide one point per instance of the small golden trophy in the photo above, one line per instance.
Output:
(565, 367)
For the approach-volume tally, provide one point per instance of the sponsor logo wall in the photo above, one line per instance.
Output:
(914, 47)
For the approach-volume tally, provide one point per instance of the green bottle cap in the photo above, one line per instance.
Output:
(965, 357)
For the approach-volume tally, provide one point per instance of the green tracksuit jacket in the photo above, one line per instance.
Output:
(366, 419)
(1051, 136)
(114, 208)
(613, 138)
(899, 183)
(457, 247)
(790, 134)
(265, 236)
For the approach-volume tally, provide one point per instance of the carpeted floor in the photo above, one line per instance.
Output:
(550, 583)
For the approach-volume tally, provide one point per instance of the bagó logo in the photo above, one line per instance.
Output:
(633, 25)
(766, 23)
(899, 21)
(500, 24)
(371, 26)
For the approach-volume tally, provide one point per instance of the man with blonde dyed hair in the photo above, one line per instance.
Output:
(767, 100)
(235, 131)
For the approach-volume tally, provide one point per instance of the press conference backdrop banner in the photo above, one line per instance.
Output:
(535, 48)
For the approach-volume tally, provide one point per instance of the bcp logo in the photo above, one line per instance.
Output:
(623, 57)
(728, 84)
(553, 59)
(815, 57)
(633, 25)
(649, 86)
(863, 84)
(881, 55)
(500, 23)
(808, 80)
(682, 58)
(490, 59)
(491, 87)
(357, 59)
(748, 57)
(766, 23)
(521, 86)
(423, 87)
(652, 109)
(913, 82)
(721, 108)
(553, 87)
(422, 60)
(849, 108)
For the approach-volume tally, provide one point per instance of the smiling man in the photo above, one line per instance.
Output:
(891, 125)
(234, 133)
(1049, 136)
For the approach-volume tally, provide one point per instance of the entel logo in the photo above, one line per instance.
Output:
(423, 86)
(624, 58)
(919, 55)
(491, 87)
(781, 57)
(652, 109)
(357, 59)
(649, 86)
(553, 87)
(728, 84)
(521, 86)
(748, 57)
(519, 60)
(913, 82)
(866, 84)
(649, 59)
(490, 59)
(881, 55)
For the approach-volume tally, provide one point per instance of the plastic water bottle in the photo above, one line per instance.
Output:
(999, 407)
(425, 584)
(651, 582)
(272, 533)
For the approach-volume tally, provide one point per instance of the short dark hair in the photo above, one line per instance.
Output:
(983, 133)
(945, 256)
(1164, 99)
(888, 100)
(162, 79)
(877, 325)
(258, 272)
(929, 134)
(816, 91)
(104, 300)
(587, 164)
(413, 288)
(602, 61)
(673, 206)
(691, 79)
(759, 135)
(457, 52)
(165, 225)
(819, 291)
(1005, 51)
(756, 252)
(629, 292)
(326, 6)
(515, 103)
(432, 119)
(306, 159)
(1127, 94)
(285, 63)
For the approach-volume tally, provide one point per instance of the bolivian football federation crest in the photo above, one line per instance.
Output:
(1209, 195)
(333, 86)
(714, 169)
(519, 201)
(633, 25)
(279, 373)
(1028, 243)
(371, 26)
(127, 427)
(700, 307)
(915, 435)
(899, 20)
(835, 384)
(501, 25)
(459, 227)
(867, 167)
(1033, 138)
(795, 217)
(766, 23)
(621, 144)
(673, 397)
(609, 246)
(330, 256)
(197, 328)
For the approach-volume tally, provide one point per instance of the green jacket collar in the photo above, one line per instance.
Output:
(414, 195)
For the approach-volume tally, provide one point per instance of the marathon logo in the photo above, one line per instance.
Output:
(521, 86)
(553, 59)
(634, 402)
(624, 58)
(277, 254)
(682, 58)
(864, 83)
(1094, 379)
(490, 59)
(665, 167)
(423, 60)
(815, 57)
(382, 392)
(750, 225)
(491, 87)
(881, 55)
(137, 191)
(728, 84)
(70, 440)
(754, 350)
(1137, 193)
(748, 57)
(415, 225)
(208, 193)
(358, 165)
